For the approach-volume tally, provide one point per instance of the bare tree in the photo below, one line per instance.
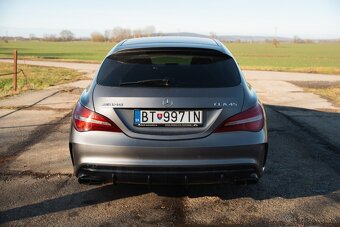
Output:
(119, 33)
(126, 33)
(297, 39)
(32, 36)
(66, 35)
(149, 30)
(275, 42)
(97, 37)
(213, 35)
(137, 33)
(108, 35)
(50, 37)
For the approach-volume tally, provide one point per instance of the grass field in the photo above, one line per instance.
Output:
(35, 78)
(310, 57)
(75, 51)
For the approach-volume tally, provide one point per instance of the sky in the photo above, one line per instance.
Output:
(316, 19)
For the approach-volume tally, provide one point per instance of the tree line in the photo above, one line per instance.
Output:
(118, 33)
(64, 35)
(111, 35)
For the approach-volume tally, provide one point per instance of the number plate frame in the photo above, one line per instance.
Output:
(190, 118)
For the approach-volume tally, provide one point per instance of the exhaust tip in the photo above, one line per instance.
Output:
(84, 179)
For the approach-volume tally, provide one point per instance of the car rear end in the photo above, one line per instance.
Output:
(168, 114)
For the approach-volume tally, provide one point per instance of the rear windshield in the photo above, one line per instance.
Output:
(171, 68)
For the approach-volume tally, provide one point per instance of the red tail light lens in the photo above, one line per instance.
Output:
(86, 120)
(249, 120)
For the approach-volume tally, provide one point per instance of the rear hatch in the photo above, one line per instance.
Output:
(181, 93)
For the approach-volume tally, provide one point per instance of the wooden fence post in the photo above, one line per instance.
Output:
(15, 69)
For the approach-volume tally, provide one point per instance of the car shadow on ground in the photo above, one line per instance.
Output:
(300, 164)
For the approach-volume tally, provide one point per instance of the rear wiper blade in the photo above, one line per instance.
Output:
(161, 82)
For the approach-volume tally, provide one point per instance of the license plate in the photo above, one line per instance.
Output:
(168, 118)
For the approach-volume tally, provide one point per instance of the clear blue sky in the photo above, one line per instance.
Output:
(306, 19)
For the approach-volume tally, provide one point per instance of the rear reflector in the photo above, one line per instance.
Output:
(86, 120)
(249, 120)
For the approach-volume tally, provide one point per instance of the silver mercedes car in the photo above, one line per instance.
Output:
(171, 110)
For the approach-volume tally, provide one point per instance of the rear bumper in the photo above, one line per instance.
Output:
(173, 165)
(215, 158)
(169, 175)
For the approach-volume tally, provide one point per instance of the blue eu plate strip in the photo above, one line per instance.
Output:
(137, 117)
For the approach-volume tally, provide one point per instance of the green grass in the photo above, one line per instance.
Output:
(309, 57)
(74, 51)
(37, 77)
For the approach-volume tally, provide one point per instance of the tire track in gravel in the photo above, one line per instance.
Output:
(176, 208)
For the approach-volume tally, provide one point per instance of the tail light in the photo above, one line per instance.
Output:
(249, 120)
(86, 120)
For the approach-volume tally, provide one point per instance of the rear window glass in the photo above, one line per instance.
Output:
(179, 68)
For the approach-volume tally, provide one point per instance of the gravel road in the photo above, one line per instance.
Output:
(301, 184)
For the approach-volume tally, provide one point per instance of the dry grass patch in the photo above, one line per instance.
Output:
(34, 78)
(327, 90)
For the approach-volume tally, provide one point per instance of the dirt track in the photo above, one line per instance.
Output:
(301, 184)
